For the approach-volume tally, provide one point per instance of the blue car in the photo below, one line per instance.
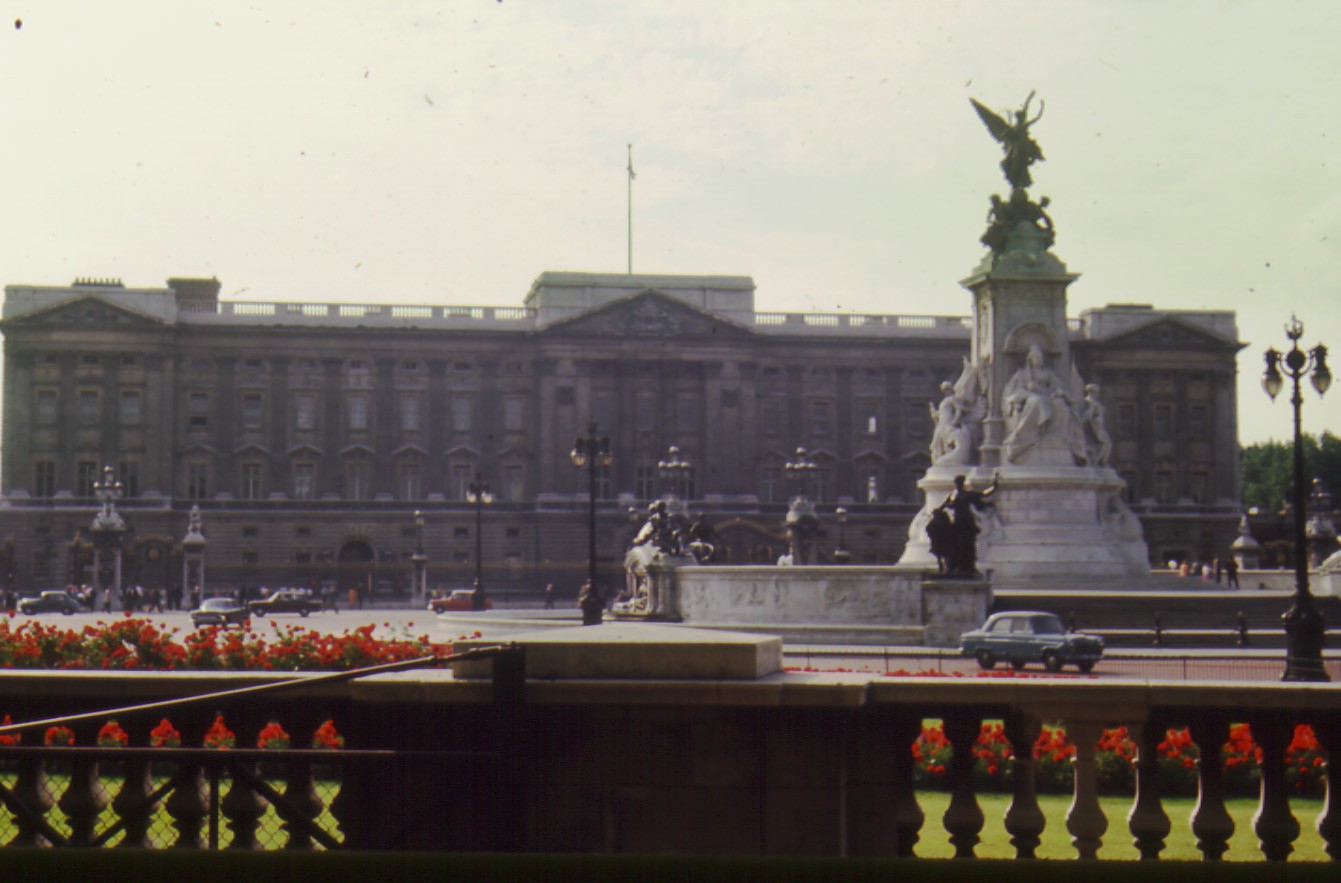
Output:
(1023, 636)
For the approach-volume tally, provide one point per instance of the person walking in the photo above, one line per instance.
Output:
(1231, 573)
(549, 596)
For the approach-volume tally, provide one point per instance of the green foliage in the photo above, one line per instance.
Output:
(1267, 470)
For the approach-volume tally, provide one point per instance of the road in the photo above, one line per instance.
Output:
(1164, 664)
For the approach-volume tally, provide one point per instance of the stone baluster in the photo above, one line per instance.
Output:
(33, 788)
(963, 817)
(908, 816)
(1085, 820)
(1211, 822)
(84, 799)
(189, 802)
(1024, 819)
(1328, 731)
(1148, 822)
(242, 805)
(302, 803)
(189, 805)
(133, 806)
(1276, 827)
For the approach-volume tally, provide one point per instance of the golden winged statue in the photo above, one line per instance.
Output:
(1021, 150)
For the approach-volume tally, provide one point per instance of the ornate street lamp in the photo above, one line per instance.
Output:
(478, 492)
(801, 470)
(674, 470)
(591, 452)
(841, 555)
(1305, 630)
(420, 562)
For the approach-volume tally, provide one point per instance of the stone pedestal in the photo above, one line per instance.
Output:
(1048, 523)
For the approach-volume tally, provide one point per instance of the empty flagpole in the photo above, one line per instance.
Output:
(630, 182)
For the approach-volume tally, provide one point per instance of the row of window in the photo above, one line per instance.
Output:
(357, 411)
(88, 407)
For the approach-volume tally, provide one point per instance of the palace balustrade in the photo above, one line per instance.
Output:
(794, 764)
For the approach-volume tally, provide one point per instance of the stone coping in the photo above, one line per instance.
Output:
(637, 651)
(1105, 699)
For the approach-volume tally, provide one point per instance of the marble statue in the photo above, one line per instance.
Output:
(958, 418)
(1035, 405)
(1090, 413)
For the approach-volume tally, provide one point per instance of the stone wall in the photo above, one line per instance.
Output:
(848, 604)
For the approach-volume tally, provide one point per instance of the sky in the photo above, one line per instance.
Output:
(413, 152)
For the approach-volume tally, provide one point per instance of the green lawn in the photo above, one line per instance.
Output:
(1180, 844)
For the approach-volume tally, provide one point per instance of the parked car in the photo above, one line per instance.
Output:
(221, 612)
(286, 601)
(1023, 636)
(50, 601)
(457, 599)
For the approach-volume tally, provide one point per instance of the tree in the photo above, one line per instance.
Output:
(1267, 470)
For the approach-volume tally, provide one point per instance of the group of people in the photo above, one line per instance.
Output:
(1226, 571)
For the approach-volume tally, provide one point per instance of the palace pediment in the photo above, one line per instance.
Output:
(648, 314)
(86, 310)
(1166, 331)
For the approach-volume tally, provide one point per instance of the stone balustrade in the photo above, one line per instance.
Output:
(792, 763)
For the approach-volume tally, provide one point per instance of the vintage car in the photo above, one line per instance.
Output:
(286, 601)
(221, 612)
(50, 601)
(456, 599)
(1023, 636)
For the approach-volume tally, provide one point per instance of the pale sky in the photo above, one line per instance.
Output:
(408, 151)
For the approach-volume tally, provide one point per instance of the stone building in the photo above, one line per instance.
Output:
(309, 434)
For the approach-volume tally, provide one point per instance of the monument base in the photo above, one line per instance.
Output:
(1047, 523)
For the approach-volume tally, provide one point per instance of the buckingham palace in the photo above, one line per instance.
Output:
(324, 444)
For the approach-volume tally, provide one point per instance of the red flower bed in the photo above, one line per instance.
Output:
(1115, 758)
(131, 644)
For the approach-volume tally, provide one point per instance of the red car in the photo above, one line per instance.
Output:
(457, 599)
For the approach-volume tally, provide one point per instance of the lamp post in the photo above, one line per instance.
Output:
(675, 471)
(420, 562)
(801, 470)
(591, 452)
(841, 555)
(478, 492)
(1305, 629)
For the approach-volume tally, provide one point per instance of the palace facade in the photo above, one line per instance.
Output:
(310, 435)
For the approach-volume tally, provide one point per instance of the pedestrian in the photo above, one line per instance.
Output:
(1231, 573)
(353, 598)
(549, 596)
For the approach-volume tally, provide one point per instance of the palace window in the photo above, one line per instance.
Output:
(686, 412)
(463, 413)
(1126, 419)
(645, 412)
(770, 416)
(86, 474)
(770, 485)
(409, 481)
(409, 412)
(128, 473)
(645, 482)
(131, 411)
(44, 478)
(88, 407)
(48, 407)
(197, 480)
(198, 410)
(305, 411)
(821, 413)
(253, 410)
(513, 414)
(356, 480)
(1163, 421)
(304, 481)
(250, 485)
(358, 412)
(514, 484)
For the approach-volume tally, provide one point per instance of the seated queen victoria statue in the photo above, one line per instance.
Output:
(1038, 409)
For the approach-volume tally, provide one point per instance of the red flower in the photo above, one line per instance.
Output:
(10, 738)
(327, 736)
(58, 736)
(219, 736)
(165, 735)
(112, 736)
(272, 736)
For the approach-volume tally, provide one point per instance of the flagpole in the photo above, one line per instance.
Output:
(630, 227)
